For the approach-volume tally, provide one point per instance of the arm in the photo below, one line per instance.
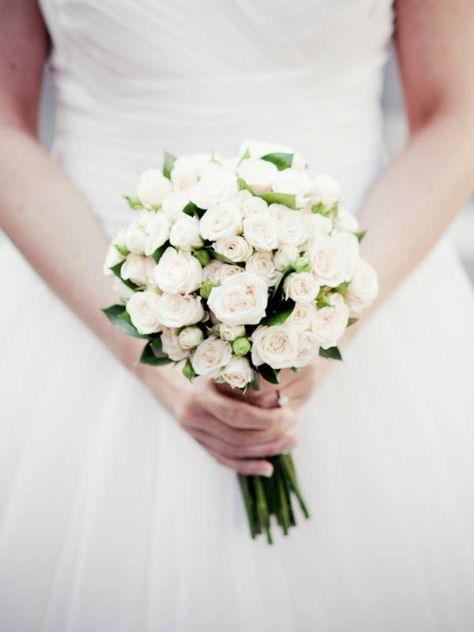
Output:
(39, 205)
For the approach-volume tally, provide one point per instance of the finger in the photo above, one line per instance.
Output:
(235, 436)
(239, 414)
(249, 467)
(279, 446)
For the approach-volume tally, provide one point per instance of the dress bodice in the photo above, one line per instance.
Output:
(134, 78)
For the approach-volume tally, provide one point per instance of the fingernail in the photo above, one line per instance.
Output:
(268, 471)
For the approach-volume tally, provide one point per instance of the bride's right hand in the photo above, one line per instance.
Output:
(237, 434)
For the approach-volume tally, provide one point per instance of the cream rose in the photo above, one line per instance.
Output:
(285, 256)
(276, 345)
(292, 181)
(258, 174)
(185, 232)
(316, 225)
(363, 289)
(250, 204)
(138, 269)
(302, 317)
(301, 287)
(171, 345)
(122, 291)
(211, 356)
(240, 300)
(179, 310)
(212, 272)
(190, 337)
(234, 248)
(260, 230)
(143, 309)
(177, 272)
(346, 221)
(231, 332)
(174, 204)
(325, 189)
(289, 224)
(112, 258)
(261, 264)
(308, 349)
(334, 258)
(152, 188)
(220, 221)
(330, 322)
(237, 373)
(157, 232)
(213, 188)
(135, 238)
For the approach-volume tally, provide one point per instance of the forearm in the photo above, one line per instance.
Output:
(412, 203)
(47, 218)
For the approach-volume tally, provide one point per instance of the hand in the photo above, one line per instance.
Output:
(236, 433)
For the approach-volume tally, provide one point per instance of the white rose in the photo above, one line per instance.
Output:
(346, 221)
(185, 232)
(257, 149)
(185, 172)
(179, 310)
(174, 204)
(302, 317)
(258, 174)
(157, 232)
(308, 349)
(190, 337)
(143, 309)
(211, 272)
(325, 189)
(261, 264)
(233, 248)
(135, 238)
(171, 345)
(211, 356)
(276, 346)
(121, 290)
(330, 322)
(334, 258)
(231, 332)
(290, 225)
(237, 373)
(292, 181)
(250, 204)
(363, 289)
(177, 272)
(137, 269)
(240, 300)
(228, 269)
(260, 230)
(152, 188)
(301, 287)
(299, 162)
(112, 258)
(214, 188)
(221, 220)
(285, 256)
(316, 225)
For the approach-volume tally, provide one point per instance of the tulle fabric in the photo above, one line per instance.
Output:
(112, 518)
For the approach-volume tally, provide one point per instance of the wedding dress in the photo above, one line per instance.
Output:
(113, 518)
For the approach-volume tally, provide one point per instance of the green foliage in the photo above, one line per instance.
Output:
(168, 164)
(188, 371)
(154, 355)
(332, 352)
(116, 269)
(279, 317)
(360, 234)
(288, 199)
(269, 374)
(280, 160)
(118, 316)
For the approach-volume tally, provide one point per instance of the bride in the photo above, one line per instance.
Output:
(115, 510)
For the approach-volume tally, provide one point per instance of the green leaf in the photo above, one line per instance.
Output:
(148, 356)
(206, 289)
(332, 352)
(190, 209)
(168, 164)
(244, 156)
(160, 251)
(320, 208)
(244, 186)
(279, 317)
(122, 249)
(220, 257)
(342, 287)
(280, 160)
(118, 316)
(360, 234)
(352, 321)
(322, 299)
(133, 201)
(269, 374)
(255, 383)
(116, 270)
(188, 371)
(288, 199)
(284, 273)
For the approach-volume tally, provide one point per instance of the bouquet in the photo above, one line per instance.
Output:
(236, 268)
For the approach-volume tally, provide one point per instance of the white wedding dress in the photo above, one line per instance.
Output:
(115, 520)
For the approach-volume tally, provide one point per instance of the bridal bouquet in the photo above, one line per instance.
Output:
(237, 268)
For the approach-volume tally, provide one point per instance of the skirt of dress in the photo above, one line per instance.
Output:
(113, 519)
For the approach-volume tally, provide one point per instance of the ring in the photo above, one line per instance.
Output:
(283, 400)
